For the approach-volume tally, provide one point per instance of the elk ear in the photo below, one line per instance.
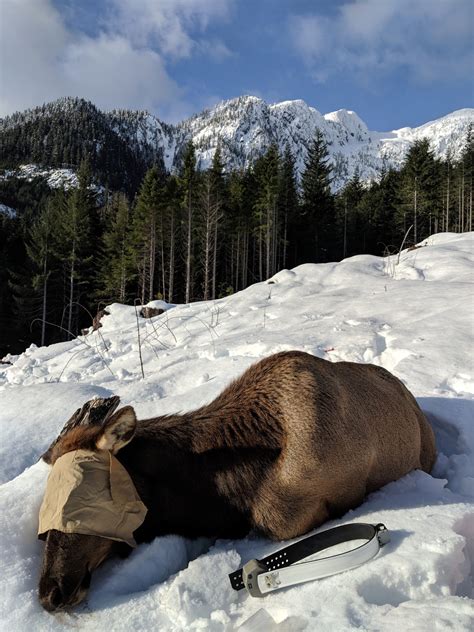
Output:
(118, 430)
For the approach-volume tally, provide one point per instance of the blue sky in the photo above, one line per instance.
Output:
(395, 62)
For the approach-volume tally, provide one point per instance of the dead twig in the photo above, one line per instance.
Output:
(138, 336)
(47, 322)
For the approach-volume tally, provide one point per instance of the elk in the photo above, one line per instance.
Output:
(294, 441)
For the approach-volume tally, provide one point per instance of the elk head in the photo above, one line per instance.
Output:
(70, 557)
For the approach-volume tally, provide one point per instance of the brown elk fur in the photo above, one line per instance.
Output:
(294, 441)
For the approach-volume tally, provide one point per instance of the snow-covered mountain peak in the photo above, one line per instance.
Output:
(347, 118)
(244, 127)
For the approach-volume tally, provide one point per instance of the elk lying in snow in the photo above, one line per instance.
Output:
(294, 441)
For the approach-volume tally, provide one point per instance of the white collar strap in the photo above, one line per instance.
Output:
(279, 570)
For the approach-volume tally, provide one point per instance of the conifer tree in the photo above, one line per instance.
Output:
(40, 248)
(447, 170)
(385, 197)
(317, 204)
(235, 229)
(267, 171)
(421, 197)
(287, 200)
(149, 202)
(352, 221)
(169, 232)
(75, 214)
(466, 175)
(218, 186)
(118, 267)
(210, 214)
(189, 188)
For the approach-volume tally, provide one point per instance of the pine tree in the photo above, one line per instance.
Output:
(352, 220)
(448, 197)
(189, 188)
(317, 205)
(236, 230)
(150, 200)
(218, 185)
(75, 213)
(267, 171)
(210, 214)
(385, 202)
(169, 232)
(40, 248)
(117, 269)
(465, 177)
(421, 199)
(287, 200)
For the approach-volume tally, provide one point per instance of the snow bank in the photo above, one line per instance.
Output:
(414, 318)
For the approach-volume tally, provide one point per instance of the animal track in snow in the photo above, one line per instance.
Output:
(383, 353)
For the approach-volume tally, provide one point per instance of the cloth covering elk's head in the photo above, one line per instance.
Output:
(90, 508)
(91, 493)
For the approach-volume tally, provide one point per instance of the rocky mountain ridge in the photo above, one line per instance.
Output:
(244, 128)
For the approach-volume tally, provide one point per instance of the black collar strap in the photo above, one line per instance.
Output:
(279, 571)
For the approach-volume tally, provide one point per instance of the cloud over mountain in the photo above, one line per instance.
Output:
(430, 40)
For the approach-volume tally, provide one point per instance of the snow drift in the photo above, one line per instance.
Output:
(414, 318)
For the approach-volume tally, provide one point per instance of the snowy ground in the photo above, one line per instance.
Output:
(414, 318)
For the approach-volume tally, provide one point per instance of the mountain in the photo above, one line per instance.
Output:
(122, 143)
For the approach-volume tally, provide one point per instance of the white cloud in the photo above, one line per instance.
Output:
(110, 69)
(123, 66)
(430, 39)
(175, 27)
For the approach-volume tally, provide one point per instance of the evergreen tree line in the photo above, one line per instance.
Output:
(65, 133)
(200, 235)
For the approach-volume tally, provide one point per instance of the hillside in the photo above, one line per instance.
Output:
(122, 143)
(413, 317)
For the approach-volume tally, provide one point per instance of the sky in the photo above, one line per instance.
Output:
(396, 63)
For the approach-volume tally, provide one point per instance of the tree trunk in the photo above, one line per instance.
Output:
(71, 288)
(237, 262)
(45, 286)
(171, 276)
(207, 242)
(152, 257)
(447, 203)
(268, 244)
(285, 238)
(344, 248)
(122, 274)
(188, 253)
(415, 212)
(214, 262)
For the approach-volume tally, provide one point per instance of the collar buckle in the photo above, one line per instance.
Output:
(250, 573)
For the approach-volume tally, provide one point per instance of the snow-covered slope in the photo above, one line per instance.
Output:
(414, 318)
(7, 211)
(60, 178)
(246, 126)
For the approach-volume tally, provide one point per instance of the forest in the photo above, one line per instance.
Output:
(203, 234)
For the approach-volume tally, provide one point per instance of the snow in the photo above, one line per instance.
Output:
(56, 178)
(246, 126)
(7, 211)
(414, 318)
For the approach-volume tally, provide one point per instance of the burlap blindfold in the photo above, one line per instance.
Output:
(91, 493)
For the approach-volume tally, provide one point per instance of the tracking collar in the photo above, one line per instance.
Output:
(279, 570)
